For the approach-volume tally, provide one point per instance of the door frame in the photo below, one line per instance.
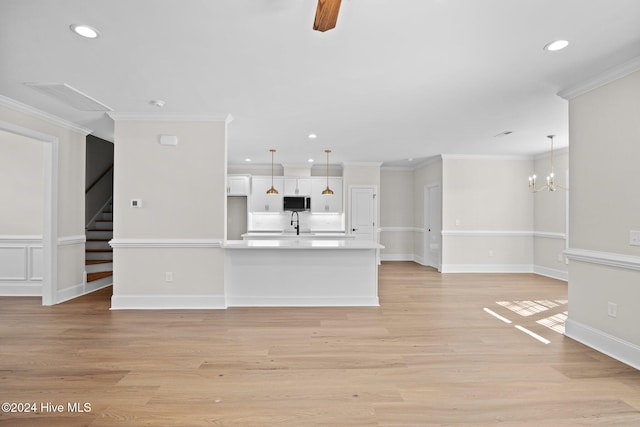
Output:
(437, 264)
(375, 208)
(50, 207)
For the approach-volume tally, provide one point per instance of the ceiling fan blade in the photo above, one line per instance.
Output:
(326, 15)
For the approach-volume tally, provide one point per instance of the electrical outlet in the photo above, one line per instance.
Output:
(612, 309)
(168, 276)
(634, 238)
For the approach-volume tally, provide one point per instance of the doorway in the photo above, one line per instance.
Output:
(362, 208)
(433, 226)
(49, 229)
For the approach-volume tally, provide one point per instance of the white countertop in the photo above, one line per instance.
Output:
(282, 235)
(302, 244)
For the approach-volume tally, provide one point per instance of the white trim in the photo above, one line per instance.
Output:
(608, 76)
(603, 342)
(486, 268)
(72, 240)
(39, 114)
(27, 239)
(549, 235)
(402, 229)
(362, 164)
(79, 290)
(547, 154)
(21, 289)
(167, 302)
(50, 195)
(551, 272)
(69, 293)
(302, 302)
(165, 243)
(397, 257)
(486, 157)
(609, 259)
(171, 117)
(487, 233)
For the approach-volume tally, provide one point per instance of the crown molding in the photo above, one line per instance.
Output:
(485, 157)
(362, 164)
(171, 117)
(602, 79)
(39, 114)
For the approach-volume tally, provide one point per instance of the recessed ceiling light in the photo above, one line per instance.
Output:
(85, 31)
(556, 45)
(312, 136)
(247, 160)
(410, 159)
(157, 102)
(310, 160)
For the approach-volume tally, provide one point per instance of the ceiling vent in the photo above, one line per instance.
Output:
(70, 96)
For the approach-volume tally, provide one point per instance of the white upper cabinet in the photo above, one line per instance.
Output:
(323, 203)
(297, 186)
(238, 185)
(260, 200)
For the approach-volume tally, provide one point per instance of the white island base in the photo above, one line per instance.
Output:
(296, 273)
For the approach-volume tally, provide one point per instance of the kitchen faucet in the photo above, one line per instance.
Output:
(297, 221)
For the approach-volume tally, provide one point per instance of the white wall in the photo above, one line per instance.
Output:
(21, 215)
(604, 207)
(62, 257)
(487, 215)
(181, 224)
(397, 214)
(550, 218)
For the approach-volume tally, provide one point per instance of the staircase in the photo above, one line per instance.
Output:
(98, 253)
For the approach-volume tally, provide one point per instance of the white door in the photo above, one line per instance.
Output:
(433, 226)
(363, 212)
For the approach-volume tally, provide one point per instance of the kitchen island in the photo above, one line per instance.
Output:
(301, 272)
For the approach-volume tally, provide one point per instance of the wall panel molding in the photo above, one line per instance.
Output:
(609, 259)
(166, 243)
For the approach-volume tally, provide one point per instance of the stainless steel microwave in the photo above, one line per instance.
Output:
(296, 203)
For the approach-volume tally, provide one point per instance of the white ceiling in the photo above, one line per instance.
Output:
(396, 78)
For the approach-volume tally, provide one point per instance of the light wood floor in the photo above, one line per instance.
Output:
(429, 355)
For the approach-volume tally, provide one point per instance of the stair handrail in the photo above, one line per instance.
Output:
(102, 175)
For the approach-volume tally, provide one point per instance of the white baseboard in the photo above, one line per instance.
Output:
(21, 289)
(397, 257)
(167, 302)
(70, 292)
(81, 289)
(550, 272)
(303, 302)
(487, 268)
(610, 345)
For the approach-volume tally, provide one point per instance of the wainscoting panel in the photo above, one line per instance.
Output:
(21, 264)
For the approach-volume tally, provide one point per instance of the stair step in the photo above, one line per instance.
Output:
(103, 225)
(99, 275)
(97, 261)
(99, 234)
(105, 265)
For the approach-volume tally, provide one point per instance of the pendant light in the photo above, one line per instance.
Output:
(327, 190)
(551, 184)
(272, 190)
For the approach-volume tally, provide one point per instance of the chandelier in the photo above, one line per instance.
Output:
(551, 185)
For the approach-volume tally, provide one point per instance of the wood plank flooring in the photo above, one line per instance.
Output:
(429, 355)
